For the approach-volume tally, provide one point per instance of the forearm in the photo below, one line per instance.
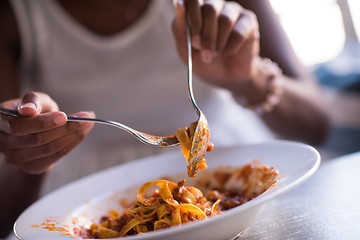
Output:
(18, 191)
(300, 115)
(291, 107)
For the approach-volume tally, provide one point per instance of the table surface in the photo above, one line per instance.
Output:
(327, 206)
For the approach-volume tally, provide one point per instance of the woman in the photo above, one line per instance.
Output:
(119, 59)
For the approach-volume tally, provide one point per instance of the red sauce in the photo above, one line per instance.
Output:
(51, 224)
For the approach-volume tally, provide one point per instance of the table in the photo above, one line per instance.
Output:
(327, 206)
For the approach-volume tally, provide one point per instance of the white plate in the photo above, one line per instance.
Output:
(91, 197)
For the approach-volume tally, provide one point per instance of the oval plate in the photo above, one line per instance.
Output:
(85, 200)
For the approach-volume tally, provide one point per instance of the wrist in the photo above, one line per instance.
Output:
(264, 92)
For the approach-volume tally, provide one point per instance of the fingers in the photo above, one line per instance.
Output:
(23, 155)
(30, 107)
(33, 103)
(193, 10)
(41, 136)
(53, 149)
(245, 29)
(210, 12)
(179, 28)
(14, 142)
(36, 153)
(226, 22)
(21, 126)
(46, 163)
(217, 26)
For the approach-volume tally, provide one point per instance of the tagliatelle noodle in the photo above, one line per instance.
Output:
(185, 136)
(160, 210)
(169, 204)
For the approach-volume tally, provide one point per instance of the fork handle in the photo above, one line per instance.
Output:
(14, 113)
(9, 112)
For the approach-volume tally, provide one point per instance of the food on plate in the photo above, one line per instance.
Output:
(185, 136)
(163, 203)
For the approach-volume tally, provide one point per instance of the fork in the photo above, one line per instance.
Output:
(201, 135)
(153, 140)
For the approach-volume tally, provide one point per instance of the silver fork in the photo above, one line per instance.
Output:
(201, 134)
(156, 141)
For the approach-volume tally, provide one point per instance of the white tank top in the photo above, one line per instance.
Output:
(135, 77)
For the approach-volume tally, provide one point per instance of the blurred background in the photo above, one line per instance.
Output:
(325, 35)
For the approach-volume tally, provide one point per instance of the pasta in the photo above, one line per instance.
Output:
(185, 136)
(171, 204)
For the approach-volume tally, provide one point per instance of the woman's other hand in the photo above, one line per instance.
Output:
(41, 136)
(225, 41)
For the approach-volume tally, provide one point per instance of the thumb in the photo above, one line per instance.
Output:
(179, 27)
(34, 103)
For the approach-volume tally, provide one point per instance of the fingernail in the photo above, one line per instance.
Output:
(60, 119)
(28, 105)
(196, 42)
(206, 55)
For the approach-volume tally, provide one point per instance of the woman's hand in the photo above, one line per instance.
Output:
(225, 41)
(41, 136)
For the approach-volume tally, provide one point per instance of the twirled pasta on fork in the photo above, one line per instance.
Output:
(185, 136)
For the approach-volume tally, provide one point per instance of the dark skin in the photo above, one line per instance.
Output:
(10, 52)
(236, 62)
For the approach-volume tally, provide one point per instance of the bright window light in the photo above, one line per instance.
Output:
(315, 28)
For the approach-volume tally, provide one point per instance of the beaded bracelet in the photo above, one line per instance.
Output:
(275, 88)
